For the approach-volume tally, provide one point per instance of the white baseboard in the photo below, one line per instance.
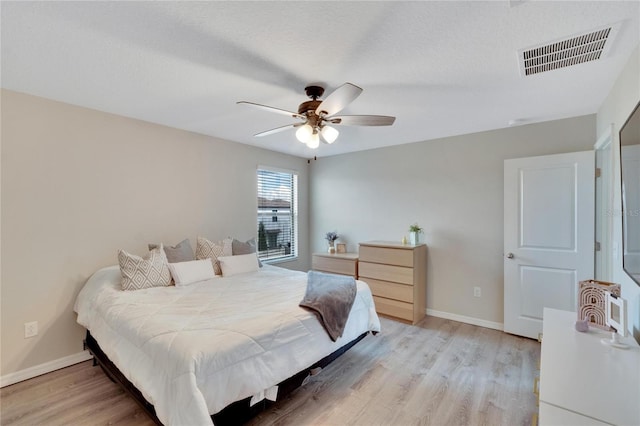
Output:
(468, 320)
(47, 367)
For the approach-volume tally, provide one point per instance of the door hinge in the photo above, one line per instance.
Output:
(598, 172)
(597, 246)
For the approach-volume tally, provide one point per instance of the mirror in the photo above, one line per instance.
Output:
(630, 172)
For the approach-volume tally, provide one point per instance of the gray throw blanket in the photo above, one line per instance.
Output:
(330, 298)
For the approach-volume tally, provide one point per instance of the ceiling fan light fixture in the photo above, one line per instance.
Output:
(329, 134)
(304, 133)
(319, 116)
(314, 141)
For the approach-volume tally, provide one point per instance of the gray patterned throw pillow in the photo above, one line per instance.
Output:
(138, 273)
(206, 249)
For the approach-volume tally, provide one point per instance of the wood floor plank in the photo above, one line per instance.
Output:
(438, 372)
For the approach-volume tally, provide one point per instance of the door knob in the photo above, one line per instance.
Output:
(510, 256)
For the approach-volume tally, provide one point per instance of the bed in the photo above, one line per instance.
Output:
(192, 351)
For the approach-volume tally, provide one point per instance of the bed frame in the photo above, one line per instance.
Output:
(236, 413)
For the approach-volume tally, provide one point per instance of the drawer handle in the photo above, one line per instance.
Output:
(534, 419)
(536, 389)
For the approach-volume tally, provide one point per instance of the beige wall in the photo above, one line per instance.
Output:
(452, 187)
(622, 99)
(78, 184)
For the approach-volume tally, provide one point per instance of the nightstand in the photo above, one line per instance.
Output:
(336, 263)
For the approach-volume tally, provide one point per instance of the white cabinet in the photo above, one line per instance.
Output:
(584, 382)
(553, 415)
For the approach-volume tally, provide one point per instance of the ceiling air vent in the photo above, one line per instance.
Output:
(567, 52)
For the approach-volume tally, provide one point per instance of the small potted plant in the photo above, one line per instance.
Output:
(414, 231)
(331, 238)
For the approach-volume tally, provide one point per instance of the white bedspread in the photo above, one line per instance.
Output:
(193, 350)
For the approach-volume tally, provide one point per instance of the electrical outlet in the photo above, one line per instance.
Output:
(477, 292)
(30, 329)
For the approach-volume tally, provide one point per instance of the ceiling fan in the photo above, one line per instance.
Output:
(317, 115)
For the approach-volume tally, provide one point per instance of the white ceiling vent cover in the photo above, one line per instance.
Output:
(567, 52)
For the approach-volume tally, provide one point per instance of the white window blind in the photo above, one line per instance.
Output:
(277, 214)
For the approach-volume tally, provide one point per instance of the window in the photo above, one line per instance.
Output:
(277, 214)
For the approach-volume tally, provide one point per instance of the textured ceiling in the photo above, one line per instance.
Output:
(442, 68)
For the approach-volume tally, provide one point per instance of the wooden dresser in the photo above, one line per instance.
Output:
(397, 276)
(336, 263)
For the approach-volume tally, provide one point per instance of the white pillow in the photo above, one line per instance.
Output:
(185, 273)
(232, 265)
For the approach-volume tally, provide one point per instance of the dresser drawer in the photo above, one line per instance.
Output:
(401, 292)
(394, 308)
(398, 274)
(335, 265)
(390, 256)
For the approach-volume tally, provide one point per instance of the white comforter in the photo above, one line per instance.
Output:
(193, 350)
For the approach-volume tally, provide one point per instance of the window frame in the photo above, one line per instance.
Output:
(293, 214)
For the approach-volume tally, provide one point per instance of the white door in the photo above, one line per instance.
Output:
(548, 236)
(604, 206)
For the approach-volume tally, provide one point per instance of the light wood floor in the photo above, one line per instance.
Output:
(440, 372)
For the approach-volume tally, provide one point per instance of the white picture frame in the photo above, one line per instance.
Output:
(616, 310)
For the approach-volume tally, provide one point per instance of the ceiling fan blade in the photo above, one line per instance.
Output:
(272, 109)
(362, 120)
(278, 130)
(338, 99)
